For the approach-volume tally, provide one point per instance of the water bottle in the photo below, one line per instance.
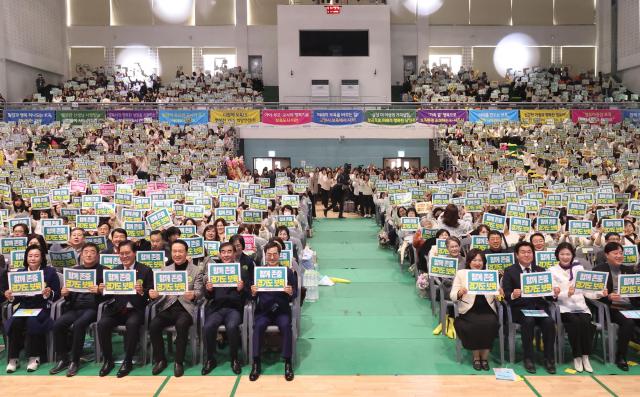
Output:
(311, 282)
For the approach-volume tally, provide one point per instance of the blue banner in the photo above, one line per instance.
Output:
(493, 116)
(632, 115)
(31, 116)
(338, 117)
(181, 117)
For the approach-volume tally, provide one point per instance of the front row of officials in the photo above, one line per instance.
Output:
(223, 306)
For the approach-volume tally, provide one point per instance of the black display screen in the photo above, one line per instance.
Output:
(334, 43)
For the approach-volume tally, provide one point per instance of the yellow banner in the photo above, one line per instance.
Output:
(235, 116)
(542, 116)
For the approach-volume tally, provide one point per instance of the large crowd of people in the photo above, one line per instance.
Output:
(553, 84)
(107, 85)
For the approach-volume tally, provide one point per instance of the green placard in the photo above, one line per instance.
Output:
(80, 116)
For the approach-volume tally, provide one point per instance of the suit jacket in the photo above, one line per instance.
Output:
(85, 300)
(467, 301)
(511, 281)
(139, 302)
(194, 281)
(623, 270)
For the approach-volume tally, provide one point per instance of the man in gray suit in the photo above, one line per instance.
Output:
(179, 311)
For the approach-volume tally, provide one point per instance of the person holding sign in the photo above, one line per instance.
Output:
(273, 308)
(477, 326)
(80, 309)
(617, 303)
(574, 312)
(524, 251)
(118, 235)
(30, 331)
(224, 306)
(177, 310)
(125, 310)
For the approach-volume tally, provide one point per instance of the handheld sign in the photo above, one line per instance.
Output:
(159, 219)
(55, 234)
(51, 222)
(270, 278)
(546, 259)
(444, 267)
(575, 208)
(100, 241)
(629, 285)
(188, 230)
(79, 280)
(9, 244)
(519, 225)
(196, 246)
(440, 199)
(40, 202)
(634, 208)
(230, 231)
(16, 260)
(479, 242)
(252, 217)
(516, 210)
(286, 256)
(548, 225)
(19, 221)
(536, 284)
(606, 213)
(285, 220)
(494, 222)
(153, 259)
(88, 223)
(410, 223)
(292, 200)
(591, 281)
(224, 274)
(135, 229)
(105, 209)
(194, 211)
(228, 201)
(605, 199)
(129, 215)
(258, 203)
(228, 214)
(63, 259)
(580, 228)
(473, 205)
(110, 260)
(170, 282)
(441, 247)
(213, 248)
(499, 261)
(428, 233)
(399, 199)
(630, 255)
(29, 283)
(613, 226)
(119, 282)
(482, 282)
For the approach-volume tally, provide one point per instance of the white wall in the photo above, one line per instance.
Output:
(603, 26)
(32, 39)
(373, 88)
(628, 34)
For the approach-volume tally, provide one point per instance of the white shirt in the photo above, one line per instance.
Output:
(574, 303)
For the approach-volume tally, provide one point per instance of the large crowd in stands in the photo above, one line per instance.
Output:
(553, 84)
(107, 85)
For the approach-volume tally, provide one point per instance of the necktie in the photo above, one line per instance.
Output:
(528, 270)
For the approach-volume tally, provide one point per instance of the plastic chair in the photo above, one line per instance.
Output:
(121, 329)
(244, 331)
(600, 325)
(611, 328)
(7, 312)
(514, 327)
(172, 332)
(500, 314)
(445, 304)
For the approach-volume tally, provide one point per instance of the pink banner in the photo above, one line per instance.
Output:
(286, 117)
(107, 189)
(596, 116)
(249, 242)
(156, 187)
(78, 187)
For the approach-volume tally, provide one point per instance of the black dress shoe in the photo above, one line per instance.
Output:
(288, 370)
(485, 365)
(60, 366)
(477, 365)
(255, 371)
(550, 366)
(529, 366)
(159, 367)
(208, 366)
(622, 364)
(107, 367)
(125, 368)
(178, 370)
(325, 212)
(236, 367)
(73, 369)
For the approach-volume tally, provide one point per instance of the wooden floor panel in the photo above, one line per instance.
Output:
(387, 386)
(567, 385)
(46, 386)
(622, 386)
(213, 386)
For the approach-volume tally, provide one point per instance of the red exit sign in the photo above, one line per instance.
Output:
(333, 10)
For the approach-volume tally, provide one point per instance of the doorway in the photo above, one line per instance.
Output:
(401, 162)
(271, 163)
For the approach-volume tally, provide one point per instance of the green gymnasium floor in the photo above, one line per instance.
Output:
(377, 325)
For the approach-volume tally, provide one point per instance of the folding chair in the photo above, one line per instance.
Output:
(171, 331)
(611, 329)
(7, 313)
(599, 323)
(445, 304)
(244, 331)
(122, 329)
(500, 314)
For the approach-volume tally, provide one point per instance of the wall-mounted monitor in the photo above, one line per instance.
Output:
(334, 43)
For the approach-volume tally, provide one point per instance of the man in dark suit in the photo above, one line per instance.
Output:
(118, 235)
(524, 252)
(614, 253)
(126, 310)
(273, 308)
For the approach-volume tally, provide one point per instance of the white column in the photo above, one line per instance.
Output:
(196, 59)
(242, 41)
(467, 57)
(422, 32)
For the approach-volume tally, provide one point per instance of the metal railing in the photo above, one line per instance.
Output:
(317, 105)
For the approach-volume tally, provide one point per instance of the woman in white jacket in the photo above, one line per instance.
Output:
(574, 311)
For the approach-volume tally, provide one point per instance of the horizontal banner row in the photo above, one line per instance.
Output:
(281, 117)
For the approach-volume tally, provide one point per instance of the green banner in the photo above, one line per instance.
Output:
(391, 117)
(80, 116)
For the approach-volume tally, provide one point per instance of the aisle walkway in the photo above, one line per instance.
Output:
(375, 325)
